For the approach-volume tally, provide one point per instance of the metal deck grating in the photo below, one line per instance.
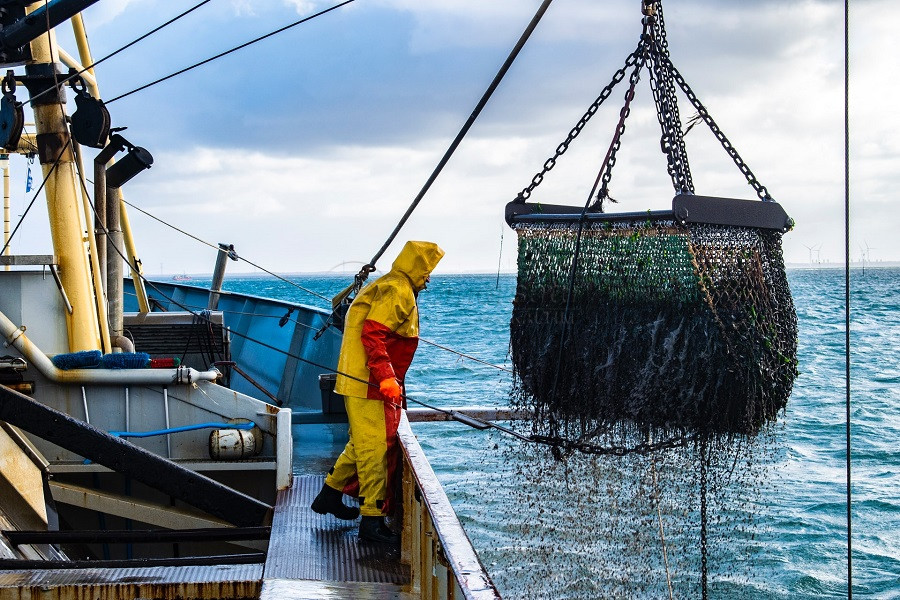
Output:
(312, 547)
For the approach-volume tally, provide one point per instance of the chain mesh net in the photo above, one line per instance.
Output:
(671, 331)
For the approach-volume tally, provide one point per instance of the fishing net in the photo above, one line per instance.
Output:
(661, 331)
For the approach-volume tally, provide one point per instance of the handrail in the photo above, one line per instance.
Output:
(454, 546)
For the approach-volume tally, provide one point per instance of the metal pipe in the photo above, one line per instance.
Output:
(168, 426)
(114, 254)
(483, 413)
(87, 415)
(123, 343)
(225, 252)
(15, 336)
(96, 276)
(100, 214)
(35, 24)
(70, 61)
(134, 263)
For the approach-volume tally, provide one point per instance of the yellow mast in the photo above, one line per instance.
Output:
(66, 220)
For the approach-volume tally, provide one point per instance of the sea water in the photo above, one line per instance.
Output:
(540, 537)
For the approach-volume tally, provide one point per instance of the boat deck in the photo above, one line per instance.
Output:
(310, 556)
(319, 556)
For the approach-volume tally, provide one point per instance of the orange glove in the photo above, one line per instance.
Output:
(390, 389)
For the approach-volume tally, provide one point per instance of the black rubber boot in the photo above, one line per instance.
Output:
(374, 529)
(330, 501)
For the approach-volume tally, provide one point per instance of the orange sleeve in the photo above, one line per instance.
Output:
(374, 340)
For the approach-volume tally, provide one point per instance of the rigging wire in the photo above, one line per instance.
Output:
(123, 48)
(218, 249)
(847, 293)
(462, 132)
(311, 328)
(230, 51)
(30, 204)
(300, 287)
(468, 420)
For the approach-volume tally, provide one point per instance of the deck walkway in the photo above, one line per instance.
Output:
(315, 556)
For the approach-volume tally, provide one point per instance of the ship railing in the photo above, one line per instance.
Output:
(443, 563)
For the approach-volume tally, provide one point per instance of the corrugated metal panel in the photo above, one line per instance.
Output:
(305, 545)
(161, 583)
(156, 575)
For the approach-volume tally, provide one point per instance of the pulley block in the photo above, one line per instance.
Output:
(91, 121)
(12, 115)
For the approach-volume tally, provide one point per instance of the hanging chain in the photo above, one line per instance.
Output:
(672, 139)
(569, 446)
(610, 162)
(619, 75)
(760, 189)
(653, 50)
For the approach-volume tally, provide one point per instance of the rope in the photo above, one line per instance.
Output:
(465, 129)
(227, 52)
(125, 47)
(847, 292)
(662, 534)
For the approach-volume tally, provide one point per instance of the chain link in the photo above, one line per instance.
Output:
(610, 162)
(653, 50)
(760, 189)
(619, 75)
(672, 139)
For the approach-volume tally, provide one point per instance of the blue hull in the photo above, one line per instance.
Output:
(282, 358)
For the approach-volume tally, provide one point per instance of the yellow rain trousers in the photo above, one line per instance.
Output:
(381, 332)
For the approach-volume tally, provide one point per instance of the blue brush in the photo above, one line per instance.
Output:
(77, 360)
(125, 360)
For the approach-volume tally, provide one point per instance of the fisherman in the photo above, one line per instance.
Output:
(381, 332)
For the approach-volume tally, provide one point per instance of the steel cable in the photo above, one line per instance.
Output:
(847, 294)
(230, 51)
(123, 48)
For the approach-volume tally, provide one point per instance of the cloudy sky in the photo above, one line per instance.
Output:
(305, 149)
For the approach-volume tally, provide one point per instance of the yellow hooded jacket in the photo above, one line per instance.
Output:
(381, 329)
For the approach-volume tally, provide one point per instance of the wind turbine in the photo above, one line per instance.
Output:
(810, 248)
(815, 249)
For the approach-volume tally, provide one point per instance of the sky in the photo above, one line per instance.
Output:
(305, 149)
